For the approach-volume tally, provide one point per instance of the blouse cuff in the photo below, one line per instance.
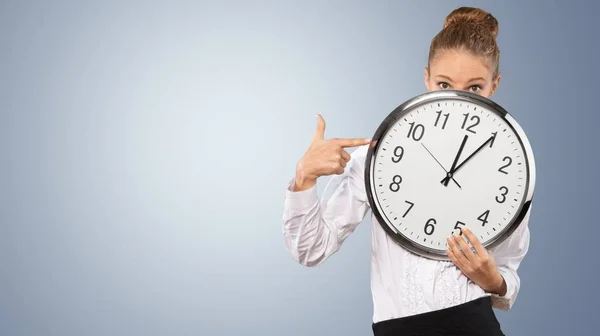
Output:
(500, 302)
(504, 302)
(300, 201)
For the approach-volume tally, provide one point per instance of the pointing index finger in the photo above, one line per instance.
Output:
(352, 142)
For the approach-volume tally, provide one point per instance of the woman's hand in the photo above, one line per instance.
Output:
(479, 266)
(323, 157)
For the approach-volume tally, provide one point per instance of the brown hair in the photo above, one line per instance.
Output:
(471, 29)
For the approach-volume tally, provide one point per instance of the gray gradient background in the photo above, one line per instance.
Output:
(145, 149)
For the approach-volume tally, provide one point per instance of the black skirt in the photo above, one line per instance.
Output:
(472, 318)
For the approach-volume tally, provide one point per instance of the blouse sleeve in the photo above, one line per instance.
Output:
(508, 256)
(314, 228)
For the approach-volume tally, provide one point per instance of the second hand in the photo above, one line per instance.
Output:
(436, 160)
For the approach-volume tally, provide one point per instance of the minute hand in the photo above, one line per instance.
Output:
(451, 172)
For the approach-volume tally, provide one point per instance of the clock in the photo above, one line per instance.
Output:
(444, 160)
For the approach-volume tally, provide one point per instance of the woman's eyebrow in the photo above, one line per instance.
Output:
(476, 79)
(444, 77)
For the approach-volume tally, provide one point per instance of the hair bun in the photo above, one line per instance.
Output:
(473, 16)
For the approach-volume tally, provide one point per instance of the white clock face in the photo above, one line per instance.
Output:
(409, 171)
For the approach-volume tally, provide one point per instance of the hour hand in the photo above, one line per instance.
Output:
(428, 151)
(449, 174)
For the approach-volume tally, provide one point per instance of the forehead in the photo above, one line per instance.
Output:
(460, 66)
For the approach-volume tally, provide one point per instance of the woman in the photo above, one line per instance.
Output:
(412, 295)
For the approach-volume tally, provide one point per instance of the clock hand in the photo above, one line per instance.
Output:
(449, 174)
(452, 172)
(440, 164)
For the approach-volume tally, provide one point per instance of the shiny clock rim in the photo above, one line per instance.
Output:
(431, 97)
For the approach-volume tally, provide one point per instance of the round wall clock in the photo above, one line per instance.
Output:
(446, 159)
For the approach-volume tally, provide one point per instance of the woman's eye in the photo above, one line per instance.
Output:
(444, 85)
(475, 88)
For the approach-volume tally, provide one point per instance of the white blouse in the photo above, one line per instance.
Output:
(402, 283)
